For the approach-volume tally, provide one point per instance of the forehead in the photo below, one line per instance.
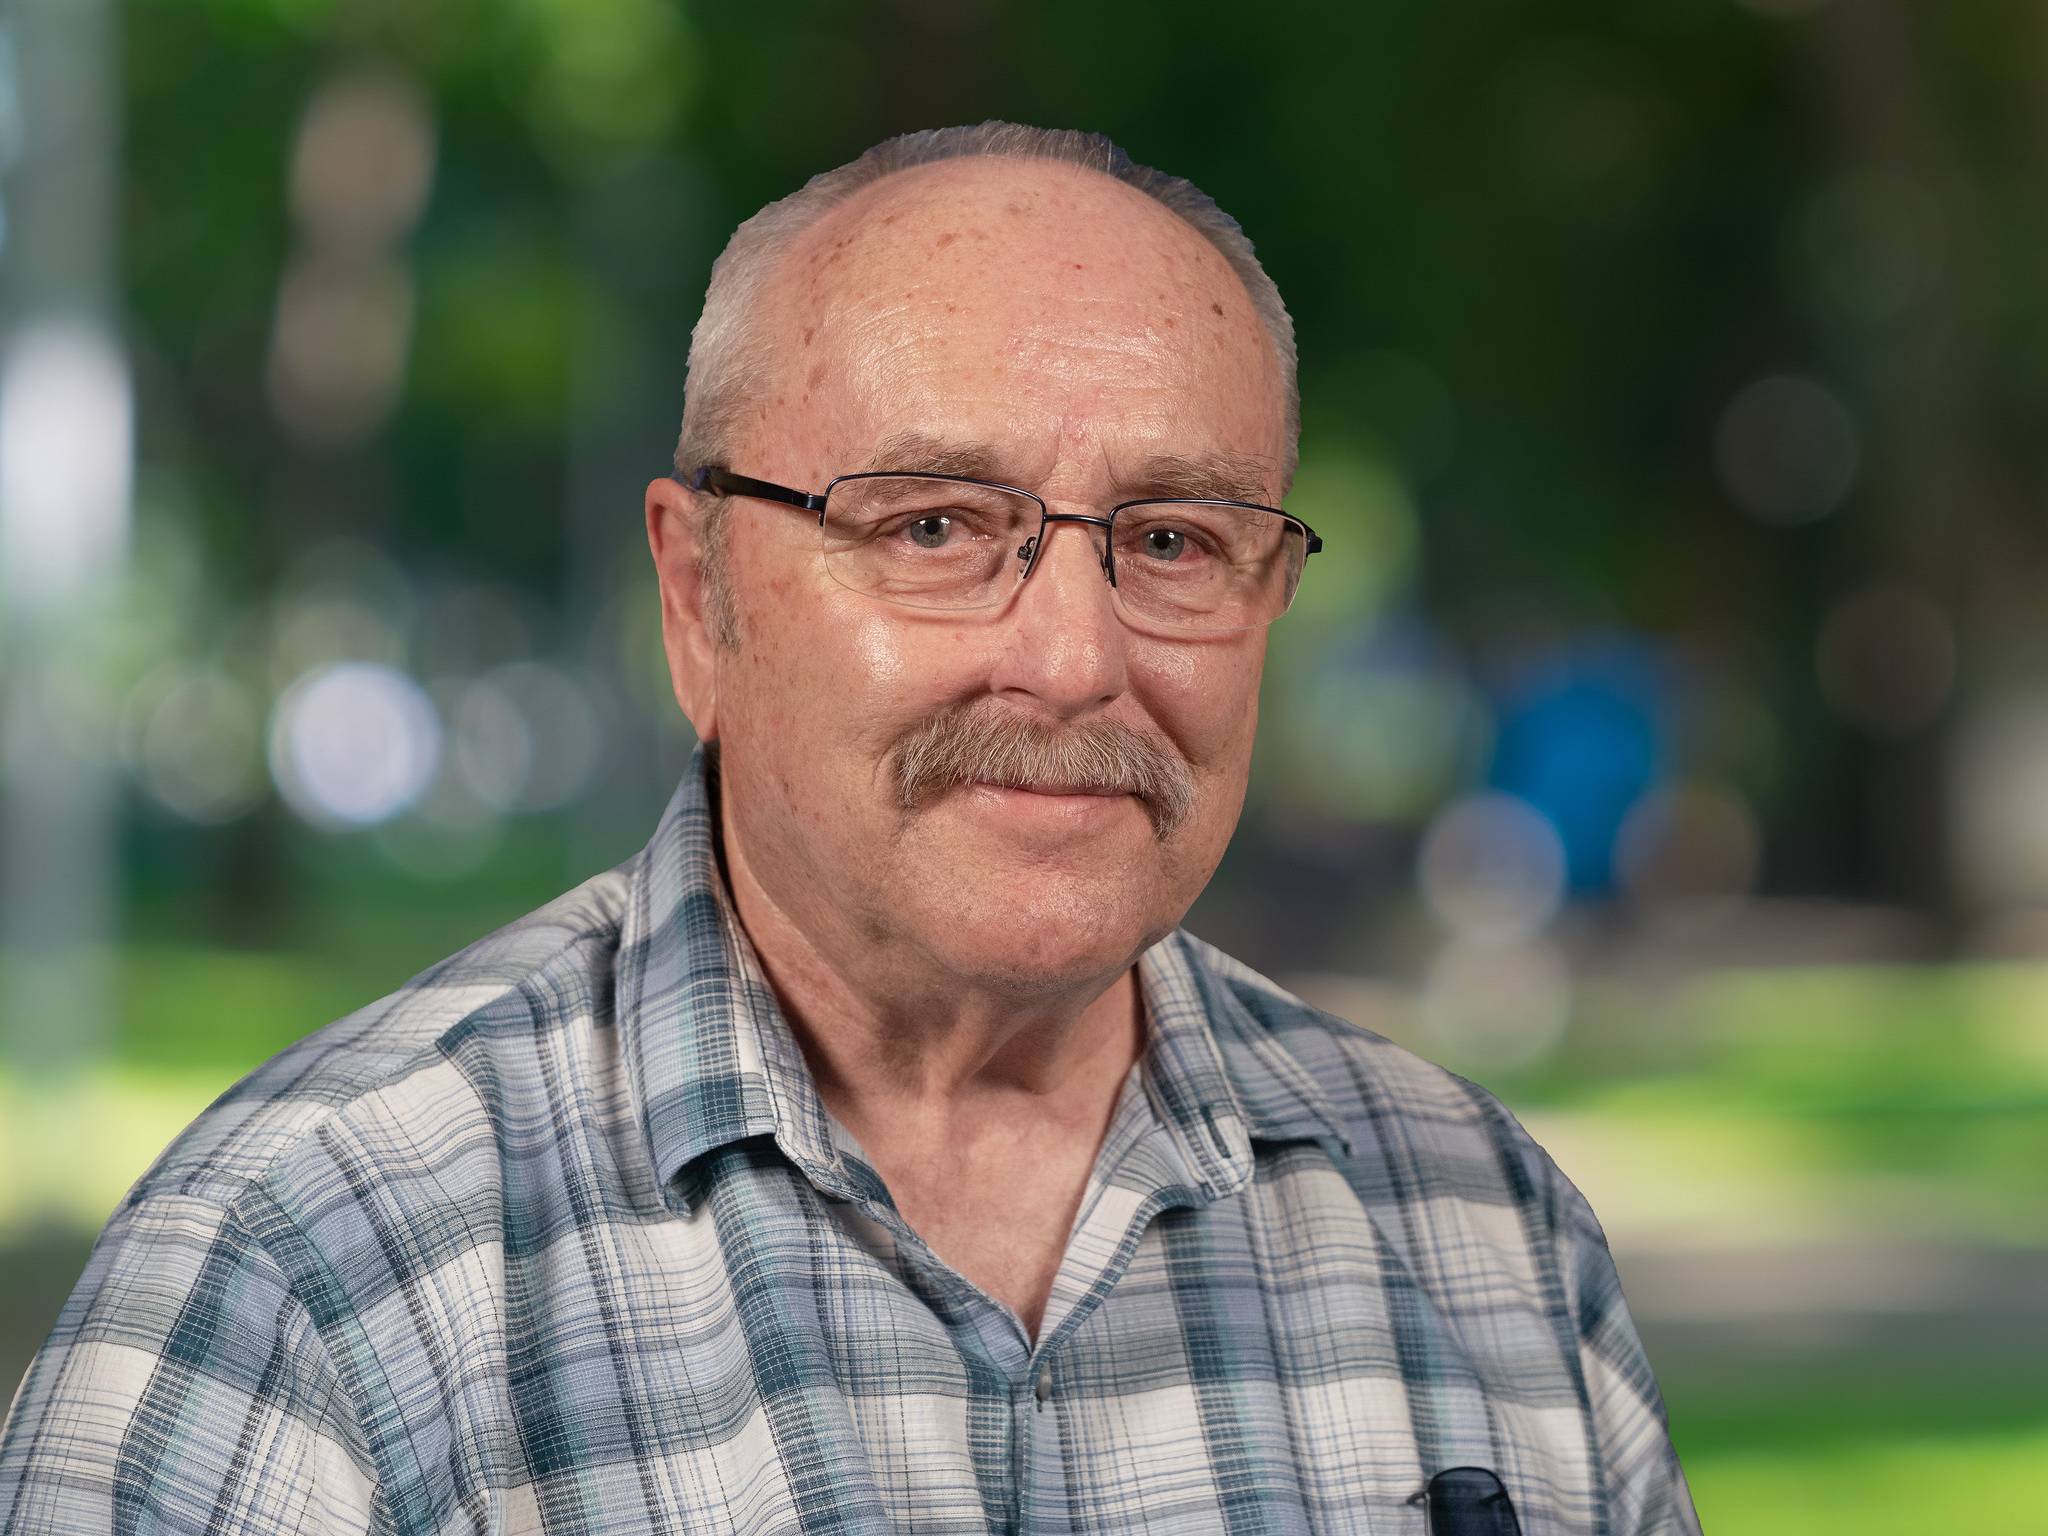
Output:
(992, 299)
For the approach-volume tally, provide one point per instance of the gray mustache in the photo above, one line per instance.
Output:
(970, 745)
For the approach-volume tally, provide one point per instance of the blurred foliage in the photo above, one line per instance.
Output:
(1531, 253)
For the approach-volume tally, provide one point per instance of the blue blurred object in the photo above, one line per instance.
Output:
(1581, 737)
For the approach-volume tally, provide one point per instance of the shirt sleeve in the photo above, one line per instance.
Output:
(184, 1388)
(1646, 1488)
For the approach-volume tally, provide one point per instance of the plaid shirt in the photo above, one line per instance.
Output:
(560, 1236)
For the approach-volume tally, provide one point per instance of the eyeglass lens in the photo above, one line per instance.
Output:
(928, 543)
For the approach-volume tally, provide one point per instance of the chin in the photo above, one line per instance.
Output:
(1040, 935)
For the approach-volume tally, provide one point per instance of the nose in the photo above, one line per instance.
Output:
(1065, 647)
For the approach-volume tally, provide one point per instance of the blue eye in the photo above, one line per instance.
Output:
(929, 532)
(1165, 543)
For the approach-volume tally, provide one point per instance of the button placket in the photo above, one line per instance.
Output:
(1040, 1504)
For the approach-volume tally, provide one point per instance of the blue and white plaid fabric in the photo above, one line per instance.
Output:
(560, 1237)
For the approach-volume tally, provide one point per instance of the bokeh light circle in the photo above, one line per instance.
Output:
(193, 738)
(354, 744)
(1492, 868)
(527, 736)
(1497, 1005)
(1689, 854)
(1786, 450)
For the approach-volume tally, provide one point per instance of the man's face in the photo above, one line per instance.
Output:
(1067, 331)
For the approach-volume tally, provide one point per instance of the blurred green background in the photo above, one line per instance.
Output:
(1663, 741)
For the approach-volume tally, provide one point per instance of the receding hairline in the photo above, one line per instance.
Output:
(784, 310)
(727, 355)
(906, 182)
(906, 191)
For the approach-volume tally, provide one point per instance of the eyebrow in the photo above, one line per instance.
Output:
(1194, 476)
(917, 452)
(1199, 477)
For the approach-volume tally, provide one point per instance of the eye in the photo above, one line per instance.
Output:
(1164, 543)
(930, 531)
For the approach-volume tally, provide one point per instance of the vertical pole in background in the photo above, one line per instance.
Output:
(66, 468)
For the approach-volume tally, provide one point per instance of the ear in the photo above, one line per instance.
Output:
(673, 525)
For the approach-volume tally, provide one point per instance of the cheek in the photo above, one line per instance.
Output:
(868, 676)
(1207, 698)
(882, 654)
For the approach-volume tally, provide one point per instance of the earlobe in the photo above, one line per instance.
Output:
(673, 527)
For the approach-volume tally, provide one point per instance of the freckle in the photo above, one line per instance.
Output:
(1079, 268)
(944, 240)
(812, 330)
(1170, 324)
(952, 309)
(816, 376)
(1215, 308)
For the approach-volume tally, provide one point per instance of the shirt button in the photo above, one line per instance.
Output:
(1044, 1388)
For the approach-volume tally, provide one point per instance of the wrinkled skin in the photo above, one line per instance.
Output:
(973, 958)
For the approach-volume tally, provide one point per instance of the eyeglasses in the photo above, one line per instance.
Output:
(948, 542)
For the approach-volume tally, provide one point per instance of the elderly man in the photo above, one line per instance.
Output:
(872, 1151)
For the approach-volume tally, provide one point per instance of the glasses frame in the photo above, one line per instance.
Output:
(719, 480)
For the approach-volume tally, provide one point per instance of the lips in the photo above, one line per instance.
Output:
(1055, 789)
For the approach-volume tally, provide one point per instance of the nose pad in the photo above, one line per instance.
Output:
(1028, 551)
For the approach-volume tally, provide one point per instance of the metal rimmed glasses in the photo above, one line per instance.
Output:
(948, 542)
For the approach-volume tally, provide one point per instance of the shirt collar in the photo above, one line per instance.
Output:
(712, 1061)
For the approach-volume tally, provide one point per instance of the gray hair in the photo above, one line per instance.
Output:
(730, 358)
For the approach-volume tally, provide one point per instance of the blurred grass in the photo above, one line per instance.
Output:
(1778, 1462)
(1752, 1107)
(1804, 1104)
(1906, 1487)
(184, 1008)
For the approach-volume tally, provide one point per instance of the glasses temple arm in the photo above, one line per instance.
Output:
(724, 482)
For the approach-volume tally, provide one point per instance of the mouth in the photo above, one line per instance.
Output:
(1061, 803)
(1052, 791)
